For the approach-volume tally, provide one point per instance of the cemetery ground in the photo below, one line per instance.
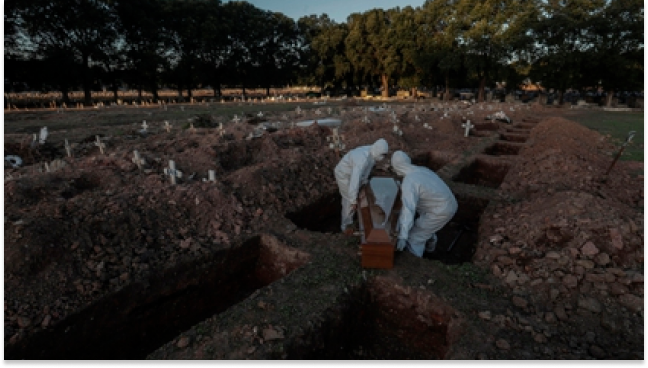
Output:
(105, 258)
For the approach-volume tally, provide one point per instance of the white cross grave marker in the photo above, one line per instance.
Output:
(68, 149)
(236, 119)
(336, 142)
(172, 172)
(99, 144)
(144, 127)
(43, 135)
(221, 131)
(260, 114)
(468, 126)
(138, 160)
(167, 126)
(298, 110)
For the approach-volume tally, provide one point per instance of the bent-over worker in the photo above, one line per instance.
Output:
(353, 171)
(422, 192)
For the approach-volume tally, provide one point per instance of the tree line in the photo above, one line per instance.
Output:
(61, 45)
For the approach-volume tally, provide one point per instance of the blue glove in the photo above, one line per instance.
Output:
(401, 244)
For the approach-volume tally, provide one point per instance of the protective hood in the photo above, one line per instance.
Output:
(378, 149)
(401, 163)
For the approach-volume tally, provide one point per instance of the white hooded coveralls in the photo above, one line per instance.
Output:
(353, 171)
(424, 192)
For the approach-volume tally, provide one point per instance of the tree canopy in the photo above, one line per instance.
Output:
(187, 44)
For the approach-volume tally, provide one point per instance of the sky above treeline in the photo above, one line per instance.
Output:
(338, 10)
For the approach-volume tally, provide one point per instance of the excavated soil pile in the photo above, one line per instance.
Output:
(565, 155)
(570, 236)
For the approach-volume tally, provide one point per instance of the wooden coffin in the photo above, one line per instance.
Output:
(378, 212)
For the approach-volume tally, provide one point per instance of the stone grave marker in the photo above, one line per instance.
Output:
(144, 127)
(192, 129)
(212, 175)
(221, 131)
(167, 126)
(236, 119)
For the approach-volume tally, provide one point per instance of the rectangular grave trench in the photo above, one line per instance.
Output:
(324, 215)
(503, 149)
(483, 171)
(462, 230)
(133, 322)
(433, 160)
(380, 320)
(521, 138)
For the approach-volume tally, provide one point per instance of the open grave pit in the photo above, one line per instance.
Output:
(520, 138)
(384, 320)
(503, 149)
(483, 170)
(135, 320)
(457, 240)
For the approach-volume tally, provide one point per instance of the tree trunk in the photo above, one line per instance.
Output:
(139, 93)
(154, 91)
(561, 96)
(414, 93)
(267, 91)
(482, 88)
(66, 95)
(608, 98)
(87, 94)
(115, 90)
(446, 94)
(385, 85)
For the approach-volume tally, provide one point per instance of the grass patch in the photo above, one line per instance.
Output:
(617, 125)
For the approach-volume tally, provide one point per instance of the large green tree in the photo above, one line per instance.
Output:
(492, 32)
(371, 47)
(143, 53)
(615, 59)
(83, 29)
(279, 54)
(323, 56)
(562, 32)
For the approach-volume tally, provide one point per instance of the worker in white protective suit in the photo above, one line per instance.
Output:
(353, 171)
(422, 192)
